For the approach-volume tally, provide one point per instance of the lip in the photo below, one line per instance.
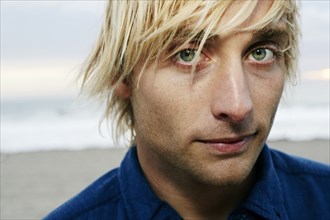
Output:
(229, 145)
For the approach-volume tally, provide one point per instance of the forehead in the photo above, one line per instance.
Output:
(176, 23)
(222, 18)
(260, 21)
(241, 16)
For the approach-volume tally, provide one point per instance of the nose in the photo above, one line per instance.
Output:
(231, 95)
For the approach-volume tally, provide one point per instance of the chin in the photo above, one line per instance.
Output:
(233, 170)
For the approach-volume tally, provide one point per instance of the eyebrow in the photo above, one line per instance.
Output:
(273, 32)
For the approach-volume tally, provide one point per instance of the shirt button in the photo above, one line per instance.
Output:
(241, 216)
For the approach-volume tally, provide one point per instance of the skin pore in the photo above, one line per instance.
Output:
(185, 128)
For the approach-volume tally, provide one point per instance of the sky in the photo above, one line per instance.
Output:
(43, 44)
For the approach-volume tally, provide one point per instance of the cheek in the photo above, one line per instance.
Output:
(266, 95)
(158, 113)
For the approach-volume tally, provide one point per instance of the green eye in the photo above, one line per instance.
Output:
(187, 55)
(259, 54)
(262, 54)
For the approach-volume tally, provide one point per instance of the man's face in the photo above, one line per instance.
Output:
(209, 126)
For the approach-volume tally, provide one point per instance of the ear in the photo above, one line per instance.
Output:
(123, 91)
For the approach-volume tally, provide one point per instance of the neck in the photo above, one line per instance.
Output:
(193, 199)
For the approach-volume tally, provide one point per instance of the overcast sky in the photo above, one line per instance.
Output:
(44, 42)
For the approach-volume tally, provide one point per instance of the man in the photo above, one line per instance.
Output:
(198, 83)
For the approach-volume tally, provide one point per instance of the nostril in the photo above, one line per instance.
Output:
(223, 116)
(233, 117)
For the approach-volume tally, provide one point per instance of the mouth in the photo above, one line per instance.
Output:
(229, 145)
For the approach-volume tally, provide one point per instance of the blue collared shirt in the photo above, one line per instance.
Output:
(287, 187)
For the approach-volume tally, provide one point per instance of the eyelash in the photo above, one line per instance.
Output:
(199, 64)
(271, 46)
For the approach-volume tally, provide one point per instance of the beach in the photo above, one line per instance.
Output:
(34, 183)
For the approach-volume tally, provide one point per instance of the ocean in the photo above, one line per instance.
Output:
(67, 123)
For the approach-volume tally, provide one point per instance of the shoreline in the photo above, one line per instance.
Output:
(35, 183)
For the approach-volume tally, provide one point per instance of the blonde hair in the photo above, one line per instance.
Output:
(140, 31)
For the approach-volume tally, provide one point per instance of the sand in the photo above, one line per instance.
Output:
(33, 184)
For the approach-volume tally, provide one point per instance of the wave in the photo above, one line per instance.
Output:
(65, 124)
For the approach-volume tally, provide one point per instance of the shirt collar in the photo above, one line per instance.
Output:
(265, 200)
(266, 197)
(139, 199)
